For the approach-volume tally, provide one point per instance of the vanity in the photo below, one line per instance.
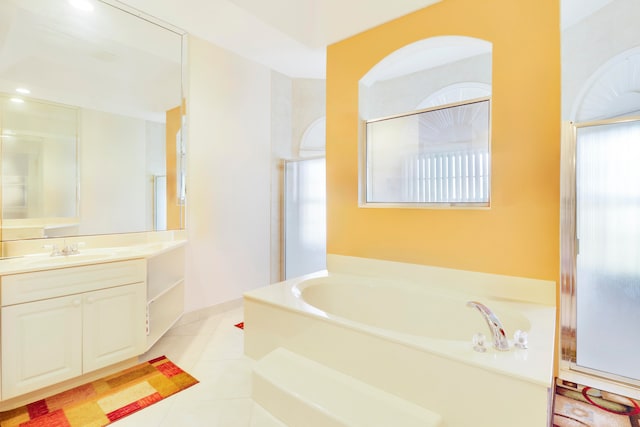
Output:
(65, 320)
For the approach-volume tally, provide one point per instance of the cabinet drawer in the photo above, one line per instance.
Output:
(38, 285)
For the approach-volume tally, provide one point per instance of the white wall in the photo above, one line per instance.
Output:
(228, 183)
(309, 104)
(589, 44)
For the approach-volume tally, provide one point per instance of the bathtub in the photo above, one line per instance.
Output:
(368, 302)
(406, 329)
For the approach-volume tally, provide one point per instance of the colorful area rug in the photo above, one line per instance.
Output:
(576, 405)
(106, 400)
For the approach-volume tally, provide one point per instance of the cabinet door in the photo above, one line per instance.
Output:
(41, 344)
(114, 325)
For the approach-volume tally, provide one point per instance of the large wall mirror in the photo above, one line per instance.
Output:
(91, 118)
(425, 139)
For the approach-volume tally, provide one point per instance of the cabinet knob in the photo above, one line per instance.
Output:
(91, 299)
(76, 302)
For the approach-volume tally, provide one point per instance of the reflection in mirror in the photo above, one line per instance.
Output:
(427, 104)
(39, 167)
(119, 73)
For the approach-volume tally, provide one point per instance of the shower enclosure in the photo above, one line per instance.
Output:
(601, 249)
(305, 222)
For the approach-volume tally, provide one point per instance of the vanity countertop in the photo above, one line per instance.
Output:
(44, 261)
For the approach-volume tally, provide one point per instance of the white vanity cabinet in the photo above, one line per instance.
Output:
(165, 292)
(41, 344)
(61, 323)
(113, 325)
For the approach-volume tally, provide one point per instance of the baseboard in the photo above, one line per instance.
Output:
(203, 313)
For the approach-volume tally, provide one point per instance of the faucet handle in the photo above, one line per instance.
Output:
(74, 247)
(479, 341)
(53, 248)
(521, 339)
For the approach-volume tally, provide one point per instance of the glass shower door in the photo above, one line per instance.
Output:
(305, 222)
(608, 260)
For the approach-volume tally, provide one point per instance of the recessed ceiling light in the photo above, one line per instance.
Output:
(17, 100)
(23, 90)
(84, 5)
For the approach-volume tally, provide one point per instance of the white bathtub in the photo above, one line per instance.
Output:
(406, 329)
(401, 307)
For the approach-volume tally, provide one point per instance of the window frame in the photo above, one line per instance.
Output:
(363, 174)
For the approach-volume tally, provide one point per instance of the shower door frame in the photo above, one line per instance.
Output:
(568, 266)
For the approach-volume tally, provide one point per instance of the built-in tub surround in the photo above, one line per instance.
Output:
(406, 329)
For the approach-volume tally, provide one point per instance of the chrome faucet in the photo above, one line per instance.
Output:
(500, 340)
(71, 248)
(67, 249)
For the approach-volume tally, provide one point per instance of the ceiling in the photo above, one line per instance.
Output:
(289, 36)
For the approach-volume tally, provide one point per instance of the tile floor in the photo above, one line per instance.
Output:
(210, 349)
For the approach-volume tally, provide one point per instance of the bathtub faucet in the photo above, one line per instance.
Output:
(500, 340)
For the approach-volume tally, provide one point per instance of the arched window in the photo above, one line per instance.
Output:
(313, 139)
(456, 92)
(612, 91)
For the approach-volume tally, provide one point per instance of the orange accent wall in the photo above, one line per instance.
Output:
(175, 212)
(519, 234)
